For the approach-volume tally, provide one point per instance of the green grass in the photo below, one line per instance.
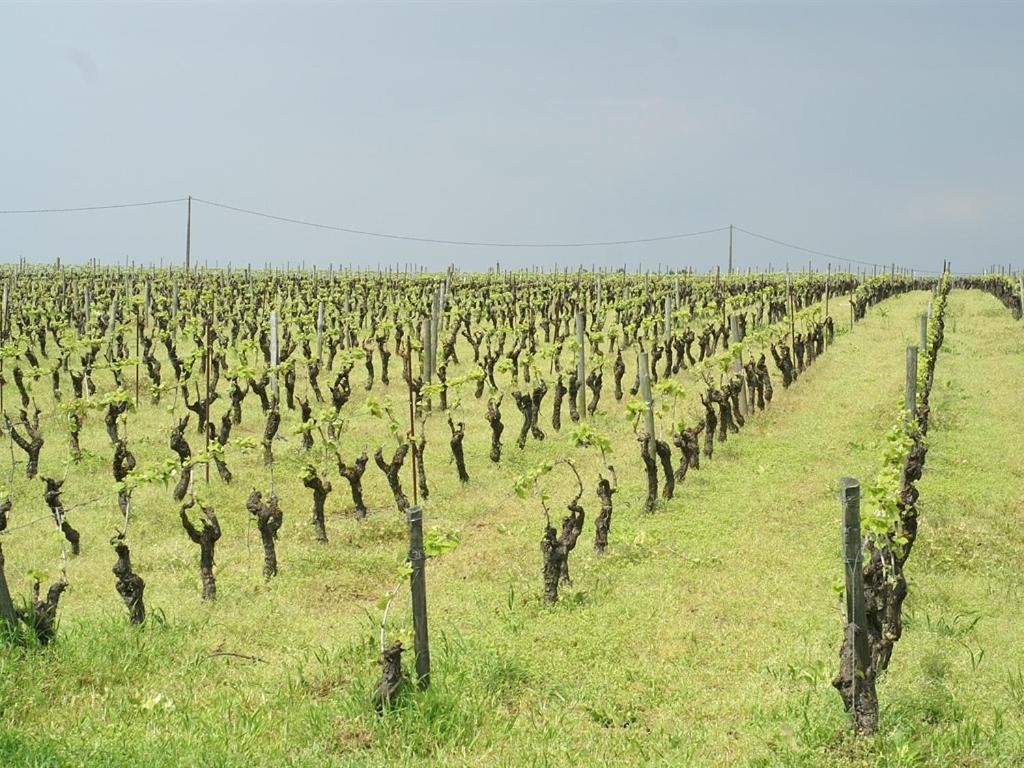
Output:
(707, 635)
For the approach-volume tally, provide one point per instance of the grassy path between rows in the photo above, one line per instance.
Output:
(706, 636)
(955, 692)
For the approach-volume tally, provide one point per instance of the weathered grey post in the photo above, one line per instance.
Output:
(828, 290)
(112, 323)
(734, 331)
(6, 604)
(208, 366)
(645, 392)
(273, 352)
(426, 334)
(7, 612)
(320, 332)
(863, 699)
(791, 306)
(435, 328)
(418, 587)
(924, 332)
(174, 309)
(668, 322)
(88, 308)
(3, 337)
(581, 369)
(910, 394)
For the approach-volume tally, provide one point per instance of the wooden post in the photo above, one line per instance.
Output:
(425, 359)
(273, 352)
(648, 398)
(910, 394)
(88, 309)
(792, 313)
(668, 322)
(138, 333)
(734, 331)
(3, 338)
(6, 604)
(320, 332)
(827, 289)
(174, 309)
(864, 709)
(111, 324)
(418, 588)
(581, 369)
(924, 333)
(209, 366)
(435, 328)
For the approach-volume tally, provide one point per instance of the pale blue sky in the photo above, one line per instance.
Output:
(878, 132)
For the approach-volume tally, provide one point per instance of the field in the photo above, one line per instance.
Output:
(708, 632)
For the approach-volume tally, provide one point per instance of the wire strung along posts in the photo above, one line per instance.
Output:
(417, 557)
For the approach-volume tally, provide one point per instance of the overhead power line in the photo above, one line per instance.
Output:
(96, 207)
(456, 241)
(447, 241)
(823, 254)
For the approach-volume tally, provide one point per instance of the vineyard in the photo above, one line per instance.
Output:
(510, 518)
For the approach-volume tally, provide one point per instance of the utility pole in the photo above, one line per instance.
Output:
(730, 249)
(188, 236)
